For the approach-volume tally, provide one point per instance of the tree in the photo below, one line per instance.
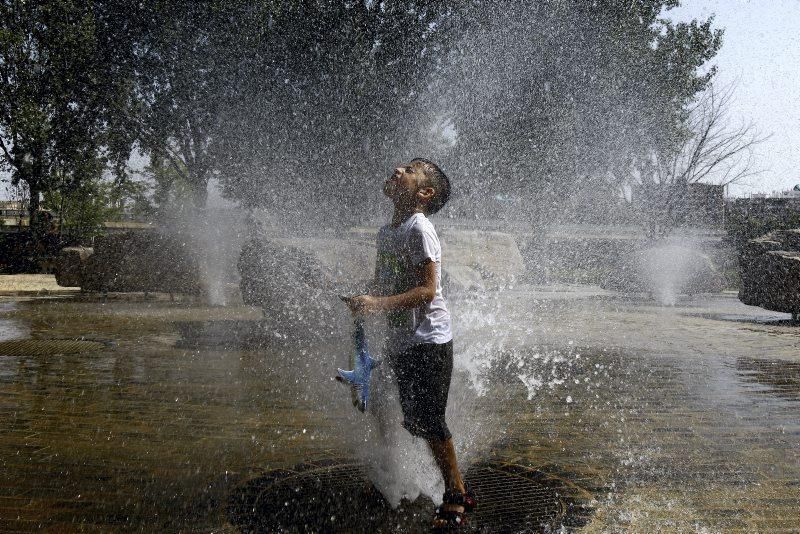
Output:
(82, 207)
(528, 99)
(543, 95)
(305, 101)
(172, 194)
(326, 99)
(60, 66)
(186, 58)
(709, 149)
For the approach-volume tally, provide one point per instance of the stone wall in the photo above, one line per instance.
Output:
(576, 259)
(769, 267)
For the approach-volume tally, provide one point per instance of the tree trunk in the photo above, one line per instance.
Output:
(33, 207)
(61, 216)
(200, 194)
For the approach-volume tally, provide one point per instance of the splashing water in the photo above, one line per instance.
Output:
(671, 270)
(466, 116)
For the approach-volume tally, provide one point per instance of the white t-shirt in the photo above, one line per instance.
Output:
(400, 251)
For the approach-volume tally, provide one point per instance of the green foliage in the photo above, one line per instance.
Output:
(218, 79)
(187, 57)
(172, 193)
(582, 89)
(83, 207)
(291, 103)
(328, 94)
(59, 81)
(541, 95)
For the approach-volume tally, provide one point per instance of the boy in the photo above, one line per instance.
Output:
(420, 347)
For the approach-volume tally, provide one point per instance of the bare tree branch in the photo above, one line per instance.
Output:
(710, 151)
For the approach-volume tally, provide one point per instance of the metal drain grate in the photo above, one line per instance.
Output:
(47, 347)
(513, 502)
(339, 498)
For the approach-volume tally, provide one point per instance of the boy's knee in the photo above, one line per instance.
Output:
(428, 431)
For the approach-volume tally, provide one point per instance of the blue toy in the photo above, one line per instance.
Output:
(362, 364)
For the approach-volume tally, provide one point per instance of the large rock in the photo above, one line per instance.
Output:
(296, 281)
(70, 264)
(147, 261)
(475, 259)
(769, 267)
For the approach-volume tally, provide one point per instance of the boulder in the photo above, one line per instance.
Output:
(476, 259)
(769, 267)
(148, 261)
(296, 281)
(70, 264)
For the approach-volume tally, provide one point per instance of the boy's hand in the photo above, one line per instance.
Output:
(362, 304)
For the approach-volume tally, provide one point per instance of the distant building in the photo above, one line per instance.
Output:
(789, 193)
(13, 214)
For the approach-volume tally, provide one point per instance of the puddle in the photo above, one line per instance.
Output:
(222, 334)
(778, 377)
(10, 328)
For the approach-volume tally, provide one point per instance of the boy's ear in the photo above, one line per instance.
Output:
(426, 193)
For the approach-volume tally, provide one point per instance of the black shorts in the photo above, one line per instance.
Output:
(423, 381)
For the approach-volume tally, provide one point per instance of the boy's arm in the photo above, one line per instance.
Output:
(423, 293)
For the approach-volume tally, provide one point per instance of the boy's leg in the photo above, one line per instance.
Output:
(423, 379)
(445, 455)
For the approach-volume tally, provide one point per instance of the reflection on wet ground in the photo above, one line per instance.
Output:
(10, 329)
(779, 377)
(664, 421)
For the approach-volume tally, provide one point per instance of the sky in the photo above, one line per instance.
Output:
(760, 55)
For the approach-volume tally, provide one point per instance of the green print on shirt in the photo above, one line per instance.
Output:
(392, 272)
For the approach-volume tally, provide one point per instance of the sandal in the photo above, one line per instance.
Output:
(470, 503)
(453, 518)
(466, 499)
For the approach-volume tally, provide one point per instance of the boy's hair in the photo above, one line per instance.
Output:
(438, 181)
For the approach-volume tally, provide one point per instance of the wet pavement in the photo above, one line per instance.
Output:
(670, 419)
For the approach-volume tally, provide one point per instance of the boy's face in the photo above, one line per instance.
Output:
(406, 185)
